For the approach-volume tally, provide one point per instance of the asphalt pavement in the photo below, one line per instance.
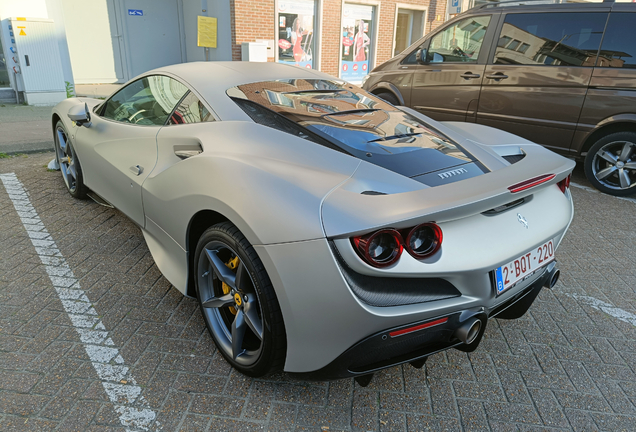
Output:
(25, 129)
(93, 337)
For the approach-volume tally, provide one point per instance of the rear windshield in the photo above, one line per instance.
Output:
(345, 116)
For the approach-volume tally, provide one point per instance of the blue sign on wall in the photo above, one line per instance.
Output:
(454, 7)
(136, 12)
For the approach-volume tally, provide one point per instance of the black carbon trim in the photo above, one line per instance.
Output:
(392, 291)
(513, 159)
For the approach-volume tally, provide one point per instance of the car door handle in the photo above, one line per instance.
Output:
(137, 170)
(186, 151)
(469, 75)
(497, 76)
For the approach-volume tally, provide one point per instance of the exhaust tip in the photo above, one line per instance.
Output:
(468, 332)
(554, 278)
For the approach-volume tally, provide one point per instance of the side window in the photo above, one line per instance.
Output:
(460, 42)
(147, 101)
(411, 57)
(190, 110)
(552, 39)
(618, 48)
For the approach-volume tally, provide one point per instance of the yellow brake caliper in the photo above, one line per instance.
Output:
(232, 265)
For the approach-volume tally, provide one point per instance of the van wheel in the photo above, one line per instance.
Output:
(389, 97)
(610, 164)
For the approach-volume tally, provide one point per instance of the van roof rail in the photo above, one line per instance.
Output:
(513, 3)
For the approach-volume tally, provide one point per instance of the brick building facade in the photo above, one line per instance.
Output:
(388, 24)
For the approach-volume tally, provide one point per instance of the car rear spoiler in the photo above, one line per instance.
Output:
(347, 211)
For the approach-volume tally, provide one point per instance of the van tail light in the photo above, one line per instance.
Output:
(384, 247)
(565, 183)
(530, 183)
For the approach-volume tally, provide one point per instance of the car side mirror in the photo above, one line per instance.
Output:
(81, 115)
(421, 56)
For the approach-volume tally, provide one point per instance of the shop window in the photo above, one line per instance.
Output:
(356, 52)
(296, 22)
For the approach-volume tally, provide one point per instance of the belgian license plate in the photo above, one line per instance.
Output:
(518, 269)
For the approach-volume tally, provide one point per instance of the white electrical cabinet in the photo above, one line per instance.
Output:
(254, 51)
(36, 58)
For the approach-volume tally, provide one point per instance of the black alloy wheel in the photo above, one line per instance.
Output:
(610, 165)
(238, 302)
(68, 162)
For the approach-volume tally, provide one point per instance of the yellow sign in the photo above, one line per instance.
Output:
(22, 33)
(207, 32)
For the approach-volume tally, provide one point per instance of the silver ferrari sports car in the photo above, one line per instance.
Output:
(324, 232)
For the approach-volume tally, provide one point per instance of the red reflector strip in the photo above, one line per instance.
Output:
(530, 183)
(418, 327)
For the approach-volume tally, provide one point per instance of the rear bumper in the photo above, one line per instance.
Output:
(388, 348)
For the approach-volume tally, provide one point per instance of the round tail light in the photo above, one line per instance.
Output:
(381, 248)
(424, 240)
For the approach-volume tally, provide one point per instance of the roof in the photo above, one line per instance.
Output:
(544, 6)
(212, 79)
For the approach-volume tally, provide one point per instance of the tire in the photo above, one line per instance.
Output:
(69, 163)
(389, 97)
(255, 313)
(610, 164)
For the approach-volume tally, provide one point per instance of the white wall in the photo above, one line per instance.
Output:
(56, 14)
(90, 41)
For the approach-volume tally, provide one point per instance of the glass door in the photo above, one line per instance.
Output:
(409, 27)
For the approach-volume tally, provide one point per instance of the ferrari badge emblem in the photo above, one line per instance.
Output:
(522, 220)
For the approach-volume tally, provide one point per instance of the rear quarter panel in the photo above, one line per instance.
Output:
(268, 183)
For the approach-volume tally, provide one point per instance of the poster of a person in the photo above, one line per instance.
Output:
(361, 41)
(296, 24)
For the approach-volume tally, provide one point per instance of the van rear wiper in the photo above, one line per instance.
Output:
(352, 111)
(398, 136)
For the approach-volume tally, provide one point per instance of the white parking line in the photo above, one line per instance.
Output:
(118, 382)
(609, 309)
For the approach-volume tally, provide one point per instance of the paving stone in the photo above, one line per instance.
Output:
(563, 366)
(20, 424)
(81, 415)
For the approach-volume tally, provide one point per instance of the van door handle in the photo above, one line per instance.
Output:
(498, 76)
(469, 75)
